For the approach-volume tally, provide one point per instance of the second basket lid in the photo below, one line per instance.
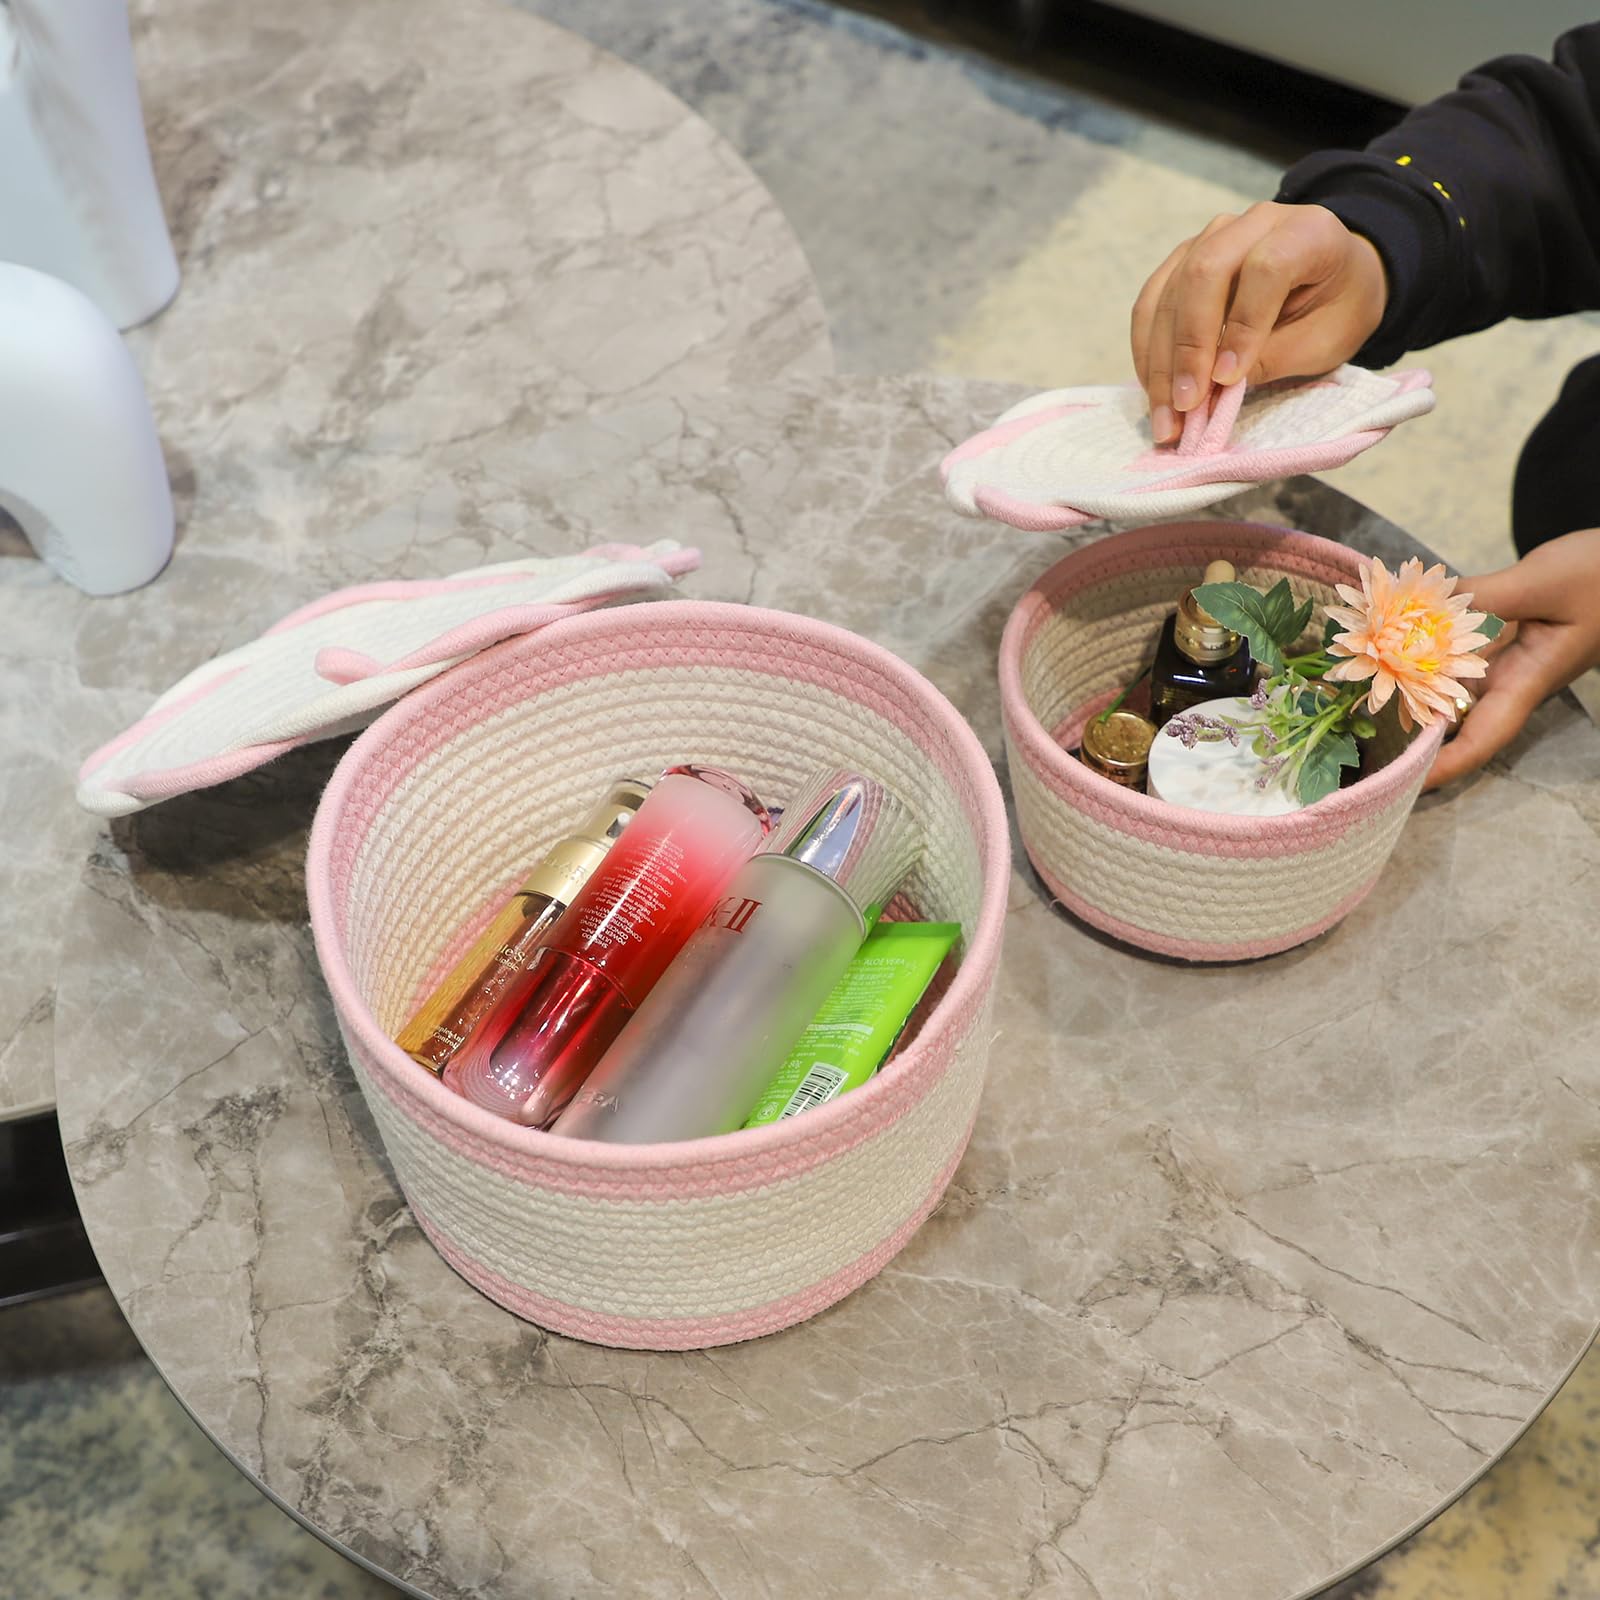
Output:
(329, 667)
(1071, 456)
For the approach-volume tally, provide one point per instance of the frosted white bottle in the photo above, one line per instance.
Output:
(698, 1053)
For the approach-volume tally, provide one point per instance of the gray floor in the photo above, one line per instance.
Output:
(107, 1489)
(915, 174)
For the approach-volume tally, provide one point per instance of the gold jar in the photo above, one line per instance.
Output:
(1118, 747)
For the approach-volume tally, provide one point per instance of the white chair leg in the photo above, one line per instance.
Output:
(80, 464)
(78, 197)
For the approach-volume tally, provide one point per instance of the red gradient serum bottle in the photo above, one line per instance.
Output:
(701, 1049)
(657, 884)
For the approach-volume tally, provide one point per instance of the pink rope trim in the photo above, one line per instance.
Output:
(1205, 441)
(686, 633)
(687, 1333)
(1003, 433)
(1177, 827)
(151, 721)
(1257, 466)
(1194, 949)
(159, 783)
(343, 666)
(675, 564)
(1243, 468)
(1032, 516)
(1207, 427)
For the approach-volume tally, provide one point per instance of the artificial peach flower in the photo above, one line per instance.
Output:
(1408, 630)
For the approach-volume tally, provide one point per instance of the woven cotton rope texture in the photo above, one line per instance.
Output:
(434, 811)
(326, 668)
(1185, 883)
(1070, 456)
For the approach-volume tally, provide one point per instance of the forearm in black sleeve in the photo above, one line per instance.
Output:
(1483, 204)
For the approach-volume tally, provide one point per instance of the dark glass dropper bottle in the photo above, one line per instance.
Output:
(1198, 659)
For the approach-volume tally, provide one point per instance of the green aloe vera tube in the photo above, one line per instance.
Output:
(848, 1039)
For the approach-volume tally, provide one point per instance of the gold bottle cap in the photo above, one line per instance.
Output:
(565, 870)
(1118, 747)
(1197, 633)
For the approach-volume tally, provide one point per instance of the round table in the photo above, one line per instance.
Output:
(402, 227)
(1248, 1271)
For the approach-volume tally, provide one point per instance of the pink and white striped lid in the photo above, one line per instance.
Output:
(1070, 456)
(329, 667)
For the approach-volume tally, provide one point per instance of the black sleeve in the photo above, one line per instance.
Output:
(1483, 204)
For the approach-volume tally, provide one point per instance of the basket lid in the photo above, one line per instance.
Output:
(329, 667)
(1070, 456)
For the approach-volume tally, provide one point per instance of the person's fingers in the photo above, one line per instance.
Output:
(1510, 691)
(1156, 374)
(1301, 350)
(1269, 272)
(1492, 724)
(1550, 601)
(1506, 636)
(1295, 350)
(1507, 703)
(1144, 311)
(1165, 424)
(1200, 291)
(1504, 594)
(1323, 288)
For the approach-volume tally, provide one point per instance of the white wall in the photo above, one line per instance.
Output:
(1406, 50)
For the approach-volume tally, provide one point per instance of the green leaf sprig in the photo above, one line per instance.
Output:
(1305, 730)
(1272, 622)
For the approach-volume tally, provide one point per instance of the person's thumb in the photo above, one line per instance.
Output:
(1489, 727)
(1503, 594)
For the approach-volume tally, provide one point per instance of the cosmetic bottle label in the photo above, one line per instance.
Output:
(821, 1083)
(512, 957)
(856, 1027)
(656, 886)
(622, 908)
(733, 912)
(598, 1099)
(565, 870)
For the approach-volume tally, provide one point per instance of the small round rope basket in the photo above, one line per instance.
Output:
(1192, 884)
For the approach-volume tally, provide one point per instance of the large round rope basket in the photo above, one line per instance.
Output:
(439, 808)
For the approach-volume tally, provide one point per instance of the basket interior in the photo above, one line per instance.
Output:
(437, 840)
(1091, 643)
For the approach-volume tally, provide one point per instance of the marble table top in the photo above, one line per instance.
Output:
(1248, 1270)
(402, 225)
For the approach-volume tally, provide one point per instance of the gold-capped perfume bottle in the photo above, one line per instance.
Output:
(661, 880)
(1198, 659)
(482, 977)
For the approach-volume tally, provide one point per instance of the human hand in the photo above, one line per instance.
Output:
(1550, 601)
(1282, 291)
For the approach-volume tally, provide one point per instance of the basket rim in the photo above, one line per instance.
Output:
(635, 624)
(1133, 550)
